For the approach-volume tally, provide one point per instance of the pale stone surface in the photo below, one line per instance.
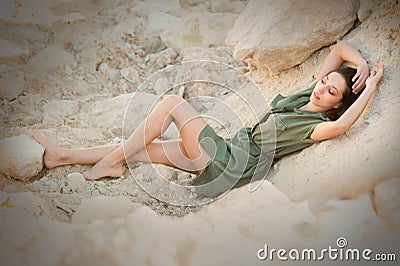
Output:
(102, 208)
(122, 112)
(30, 202)
(9, 49)
(241, 221)
(19, 229)
(7, 9)
(54, 112)
(11, 84)
(365, 9)
(130, 74)
(199, 29)
(51, 59)
(150, 6)
(73, 18)
(386, 199)
(163, 58)
(3, 197)
(21, 157)
(162, 182)
(279, 35)
(76, 181)
(159, 21)
(227, 6)
(59, 107)
(28, 11)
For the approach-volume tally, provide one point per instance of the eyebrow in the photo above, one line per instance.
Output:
(327, 78)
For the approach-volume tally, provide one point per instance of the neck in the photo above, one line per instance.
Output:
(312, 108)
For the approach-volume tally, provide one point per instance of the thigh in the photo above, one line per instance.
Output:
(170, 152)
(190, 124)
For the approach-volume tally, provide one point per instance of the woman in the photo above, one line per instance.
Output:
(323, 111)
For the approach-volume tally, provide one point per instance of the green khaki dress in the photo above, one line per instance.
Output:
(249, 154)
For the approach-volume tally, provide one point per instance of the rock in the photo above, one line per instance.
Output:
(153, 45)
(125, 111)
(19, 229)
(354, 220)
(159, 22)
(386, 200)
(227, 6)
(50, 59)
(280, 35)
(164, 58)
(150, 6)
(54, 112)
(7, 10)
(11, 84)
(125, 27)
(21, 157)
(103, 208)
(186, 178)
(8, 49)
(322, 148)
(59, 107)
(162, 86)
(130, 74)
(76, 181)
(218, 82)
(34, 11)
(3, 197)
(365, 9)
(29, 202)
(73, 18)
(197, 53)
(107, 73)
(68, 208)
(201, 29)
(27, 11)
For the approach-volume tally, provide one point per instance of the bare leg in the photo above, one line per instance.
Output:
(170, 152)
(56, 155)
(172, 108)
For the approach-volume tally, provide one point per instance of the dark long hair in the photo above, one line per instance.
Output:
(348, 96)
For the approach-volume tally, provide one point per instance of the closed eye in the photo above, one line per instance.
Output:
(327, 78)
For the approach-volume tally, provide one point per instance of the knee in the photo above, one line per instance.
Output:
(172, 100)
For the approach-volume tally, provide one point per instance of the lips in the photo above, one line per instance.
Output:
(316, 96)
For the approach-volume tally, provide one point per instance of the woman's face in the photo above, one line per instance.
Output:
(328, 92)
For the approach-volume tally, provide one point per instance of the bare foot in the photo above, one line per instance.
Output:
(53, 154)
(104, 168)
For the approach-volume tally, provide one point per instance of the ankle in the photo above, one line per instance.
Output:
(65, 154)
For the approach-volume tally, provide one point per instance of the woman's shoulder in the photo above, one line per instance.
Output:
(301, 96)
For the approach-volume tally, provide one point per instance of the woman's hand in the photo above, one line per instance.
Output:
(375, 76)
(327, 130)
(360, 77)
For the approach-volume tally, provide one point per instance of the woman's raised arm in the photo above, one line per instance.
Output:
(329, 130)
(344, 51)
